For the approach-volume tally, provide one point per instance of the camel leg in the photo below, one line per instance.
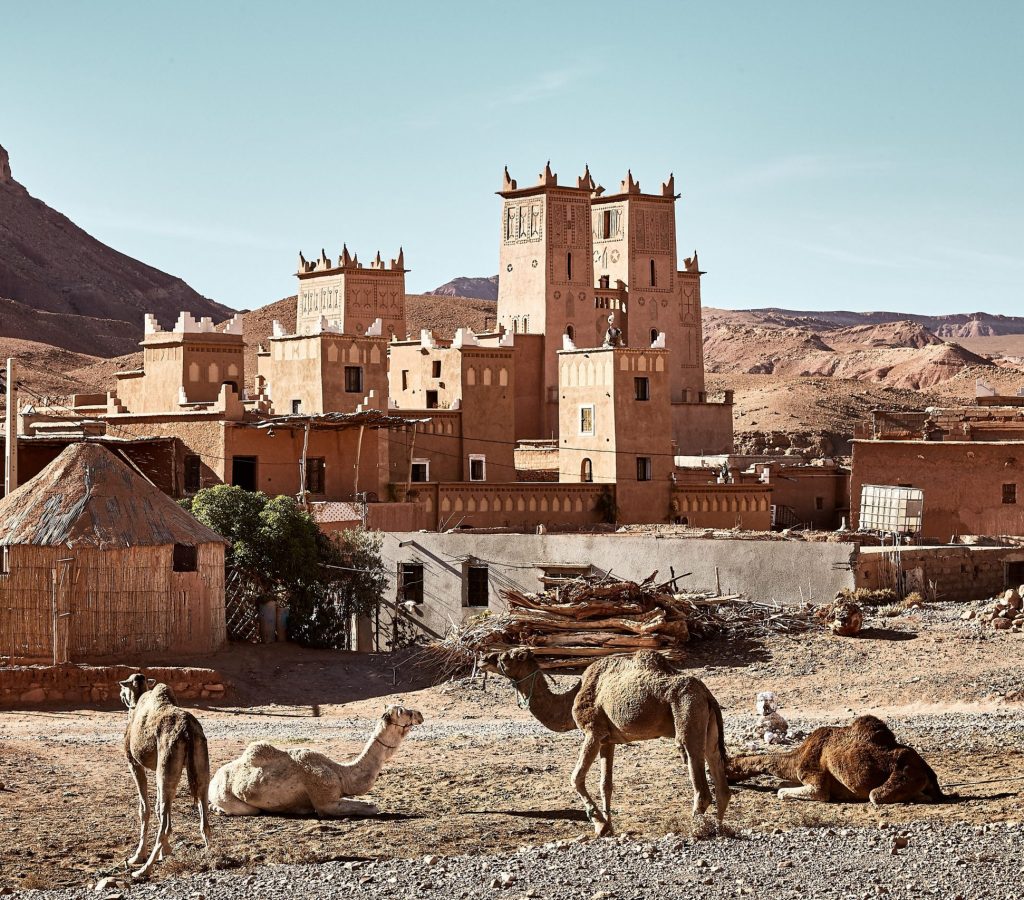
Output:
(607, 762)
(716, 765)
(139, 774)
(168, 776)
(813, 788)
(691, 736)
(203, 805)
(588, 753)
(348, 807)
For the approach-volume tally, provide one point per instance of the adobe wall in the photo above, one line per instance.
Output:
(953, 573)
(702, 428)
(962, 482)
(25, 687)
(789, 572)
(723, 506)
(439, 440)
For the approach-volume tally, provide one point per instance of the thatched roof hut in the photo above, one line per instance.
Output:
(97, 562)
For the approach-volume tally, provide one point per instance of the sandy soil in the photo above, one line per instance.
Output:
(481, 775)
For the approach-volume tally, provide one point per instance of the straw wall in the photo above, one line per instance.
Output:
(64, 605)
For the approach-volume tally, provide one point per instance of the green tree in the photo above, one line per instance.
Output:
(278, 552)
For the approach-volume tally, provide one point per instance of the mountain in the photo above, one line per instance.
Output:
(476, 288)
(63, 287)
(960, 325)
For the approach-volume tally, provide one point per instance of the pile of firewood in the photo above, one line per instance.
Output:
(588, 618)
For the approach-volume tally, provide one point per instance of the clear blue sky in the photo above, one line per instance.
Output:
(860, 156)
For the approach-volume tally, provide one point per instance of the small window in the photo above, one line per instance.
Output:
(185, 558)
(353, 379)
(570, 332)
(586, 471)
(243, 472)
(316, 472)
(1009, 493)
(654, 336)
(643, 468)
(819, 502)
(526, 324)
(642, 388)
(654, 275)
(421, 470)
(477, 586)
(568, 266)
(296, 407)
(477, 467)
(587, 420)
(193, 474)
(405, 379)
(435, 368)
(410, 583)
(431, 399)
(5, 560)
(515, 326)
(606, 224)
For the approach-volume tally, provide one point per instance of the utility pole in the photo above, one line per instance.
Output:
(11, 446)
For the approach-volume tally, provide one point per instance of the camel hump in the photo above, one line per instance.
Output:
(649, 659)
(873, 729)
(261, 753)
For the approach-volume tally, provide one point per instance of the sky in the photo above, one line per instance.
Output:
(863, 156)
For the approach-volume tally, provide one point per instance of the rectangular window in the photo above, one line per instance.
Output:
(193, 474)
(477, 468)
(477, 586)
(431, 399)
(405, 379)
(353, 379)
(410, 583)
(296, 407)
(606, 224)
(587, 420)
(819, 502)
(243, 472)
(435, 368)
(421, 470)
(642, 388)
(5, 560)
(185, 558)
(316, 475)
(643, 468)
(1009, 493)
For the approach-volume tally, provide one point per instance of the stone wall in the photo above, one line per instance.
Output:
(953, 573)
(24, 687)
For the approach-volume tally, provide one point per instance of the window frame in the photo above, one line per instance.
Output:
(426, 470)
(185, 558)
(478, 458)
(472, 592)
(593, 420)
(359, 371)
(644, 468)
(318, 465)
(641, 381)
(187, 483)
(402, 587)
(586, 470)
(1010, 496)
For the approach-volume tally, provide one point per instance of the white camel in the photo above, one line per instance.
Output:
(303, 782)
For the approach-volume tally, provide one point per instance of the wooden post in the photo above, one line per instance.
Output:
(359, 453)
(302, 466)
(11, 419)
(412, 447)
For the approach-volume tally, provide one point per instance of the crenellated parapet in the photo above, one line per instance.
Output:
(324, 264)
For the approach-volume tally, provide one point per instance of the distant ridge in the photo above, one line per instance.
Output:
(476, 288)
(63, 287)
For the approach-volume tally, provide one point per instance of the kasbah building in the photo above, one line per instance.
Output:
(583, 411)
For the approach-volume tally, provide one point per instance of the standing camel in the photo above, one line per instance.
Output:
(164, 738)
(552, 709)
(621, 700)
(301, 782)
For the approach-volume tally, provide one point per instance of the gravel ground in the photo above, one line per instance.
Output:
(957, 861)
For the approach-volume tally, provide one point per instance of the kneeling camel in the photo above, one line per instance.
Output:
(621, 700)
(164, 738)
(859, 761)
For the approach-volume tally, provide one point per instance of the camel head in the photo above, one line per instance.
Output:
(401, 717)
(514, 664)
(134, 687)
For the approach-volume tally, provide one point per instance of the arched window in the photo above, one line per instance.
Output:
(570, 332)
(526, 324)
(654, 279)
(568, 266)
(654, 335)
(515, 326)
(586, 471)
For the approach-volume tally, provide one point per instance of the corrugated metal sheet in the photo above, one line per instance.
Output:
(87, 497)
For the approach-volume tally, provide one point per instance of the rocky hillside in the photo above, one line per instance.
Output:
(61, 286)
(476, 288)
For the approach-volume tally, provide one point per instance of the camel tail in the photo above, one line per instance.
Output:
(197, 760)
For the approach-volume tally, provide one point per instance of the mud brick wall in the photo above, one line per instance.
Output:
(958, 573)
(23, 687)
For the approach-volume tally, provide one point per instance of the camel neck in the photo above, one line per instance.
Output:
(553, 710)
(781, 765)
(383, 744)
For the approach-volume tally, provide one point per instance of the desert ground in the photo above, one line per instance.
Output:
(480, 780)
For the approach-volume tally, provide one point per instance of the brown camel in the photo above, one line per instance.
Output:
(859, 761)
(621, 700)
(551, 708)
(164, 738)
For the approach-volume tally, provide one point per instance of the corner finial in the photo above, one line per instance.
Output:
(629, 186)
(399, 261)
(509, 183)
(547, 178)
(691, 263)
(346, 257)
(668, 188)
(303, 264)
(586, 180)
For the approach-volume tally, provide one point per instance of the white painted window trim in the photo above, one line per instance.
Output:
(593, 420)
(422, 462)
(483, 460)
